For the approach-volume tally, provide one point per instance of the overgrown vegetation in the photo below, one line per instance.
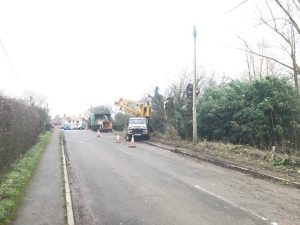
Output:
(21, 122)
(15, 180)
(286, 164)
(261, 113)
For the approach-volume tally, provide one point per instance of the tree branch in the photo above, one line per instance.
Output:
(277, 31)
(271, 12)
(266, 57)
(289, 15)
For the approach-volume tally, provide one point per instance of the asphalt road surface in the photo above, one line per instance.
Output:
(114, 184)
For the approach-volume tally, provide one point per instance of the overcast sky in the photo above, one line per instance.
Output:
(83, 53)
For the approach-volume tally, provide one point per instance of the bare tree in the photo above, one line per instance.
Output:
(204, 80)
(286, 27)
(258, 65)
(178, 102)
(283, 19)
(34, 99)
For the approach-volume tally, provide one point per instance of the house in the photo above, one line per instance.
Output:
(73, 122)
(57, 121)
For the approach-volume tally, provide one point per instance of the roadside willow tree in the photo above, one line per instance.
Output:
(158, 118)
(261, 113)
(178, 116)
(120, 121)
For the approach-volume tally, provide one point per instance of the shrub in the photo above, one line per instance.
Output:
(261, 113)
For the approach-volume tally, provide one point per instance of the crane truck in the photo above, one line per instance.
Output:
(138, 124)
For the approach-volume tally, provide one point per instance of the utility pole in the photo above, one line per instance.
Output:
(194, 91)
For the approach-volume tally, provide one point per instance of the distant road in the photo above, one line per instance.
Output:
(114, 184)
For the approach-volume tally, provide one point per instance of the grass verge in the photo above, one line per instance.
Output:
(284, 165)
(15, 180)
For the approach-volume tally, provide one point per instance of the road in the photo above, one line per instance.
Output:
(114, 184)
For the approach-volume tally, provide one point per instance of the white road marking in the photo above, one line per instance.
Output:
(70, 215)
(124, 151)
(231, 203)
(274, 223)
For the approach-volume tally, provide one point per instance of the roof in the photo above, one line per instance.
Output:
(73, 118)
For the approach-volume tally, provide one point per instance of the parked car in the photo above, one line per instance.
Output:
(67, 127)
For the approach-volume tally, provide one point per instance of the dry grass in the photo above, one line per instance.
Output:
(283, 164)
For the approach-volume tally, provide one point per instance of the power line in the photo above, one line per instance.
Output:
(8, 59)
(235, 7)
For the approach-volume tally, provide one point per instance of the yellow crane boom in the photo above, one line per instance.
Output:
(133, 108)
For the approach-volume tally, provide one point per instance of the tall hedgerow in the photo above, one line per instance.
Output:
(261, 113)
(20, 125)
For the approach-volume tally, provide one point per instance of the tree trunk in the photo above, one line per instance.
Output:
(295, 68)
(296, 79)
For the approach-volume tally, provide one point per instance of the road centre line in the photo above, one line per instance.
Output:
(123, 151)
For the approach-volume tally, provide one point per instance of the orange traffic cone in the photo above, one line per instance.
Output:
(98, 134)
(132, 144)
(118, 139)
